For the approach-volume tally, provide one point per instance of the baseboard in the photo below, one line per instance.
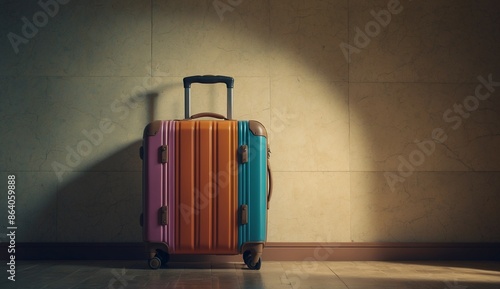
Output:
(272, 252)
(381, 251)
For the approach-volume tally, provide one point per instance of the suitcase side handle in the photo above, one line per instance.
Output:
(208, 79)
(269, 179)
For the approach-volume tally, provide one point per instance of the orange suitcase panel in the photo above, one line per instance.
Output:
(206, 187)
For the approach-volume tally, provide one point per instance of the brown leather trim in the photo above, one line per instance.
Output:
(257, 128)
(208, 114)
(152, 247)
(152, 128)
(269, 183)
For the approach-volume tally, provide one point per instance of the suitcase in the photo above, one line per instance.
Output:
(206, 184)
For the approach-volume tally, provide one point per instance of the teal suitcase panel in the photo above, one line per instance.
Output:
(252, 182)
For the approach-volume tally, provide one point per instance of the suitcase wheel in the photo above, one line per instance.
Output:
(248, 258)
(154, 263)
(164, 256)
(160, 258)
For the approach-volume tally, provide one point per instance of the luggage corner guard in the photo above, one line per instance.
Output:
(257, 128)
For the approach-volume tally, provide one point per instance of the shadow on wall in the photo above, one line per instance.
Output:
(99, 205)
(104, 203)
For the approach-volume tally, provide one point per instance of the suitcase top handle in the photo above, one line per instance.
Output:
(208, 114)
(208, 79)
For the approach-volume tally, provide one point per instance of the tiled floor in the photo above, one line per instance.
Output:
(276, 275)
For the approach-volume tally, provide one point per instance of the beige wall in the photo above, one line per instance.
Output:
(371, 149)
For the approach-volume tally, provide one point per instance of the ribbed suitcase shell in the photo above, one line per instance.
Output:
(158, 186)
(206, 187)
(252, 186)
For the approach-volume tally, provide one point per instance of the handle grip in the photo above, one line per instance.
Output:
(208, 79)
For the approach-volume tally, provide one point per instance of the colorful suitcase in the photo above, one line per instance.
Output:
(206, 184)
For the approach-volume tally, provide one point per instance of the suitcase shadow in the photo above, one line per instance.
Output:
(102, 204)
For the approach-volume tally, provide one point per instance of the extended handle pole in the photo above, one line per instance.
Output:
(208, 79)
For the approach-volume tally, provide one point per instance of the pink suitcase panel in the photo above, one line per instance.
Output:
(158, 184)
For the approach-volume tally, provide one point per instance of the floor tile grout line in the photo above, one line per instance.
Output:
(49, 285)
(151, 43)
(349, 125)
(343, 282)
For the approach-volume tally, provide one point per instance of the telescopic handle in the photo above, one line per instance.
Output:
(208, 79)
